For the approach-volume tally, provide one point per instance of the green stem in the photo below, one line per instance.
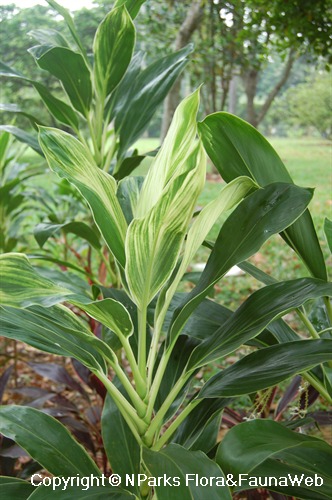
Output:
(156, 383)
(328, 305)
(308, 324)
(157, 422)
(94, 142)
(153, 353)
(136, 425)
(139, 381)
(325, 330)
(135, 399)
(175, 424)
(142, 314)
(318, 386)
(109, 355)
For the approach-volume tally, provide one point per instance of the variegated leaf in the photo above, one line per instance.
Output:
(22, 286)
(171, 159)
(154, 241)
(113, 48)
(228, 197)
(70, 159)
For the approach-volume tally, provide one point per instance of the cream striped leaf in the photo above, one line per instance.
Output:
(21, 286)
(171, 159)
(228, 197)
(113, 48)
(154, 242)
(70, 159)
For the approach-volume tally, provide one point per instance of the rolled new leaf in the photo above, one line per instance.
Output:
(133, 6)
(154, 242)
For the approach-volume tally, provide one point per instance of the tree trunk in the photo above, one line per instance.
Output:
(232, 101)
(189, 25)
(274, 92)
(250, 78)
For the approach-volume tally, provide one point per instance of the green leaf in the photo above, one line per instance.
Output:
(154, 242)
(191, 431)
(71, 160)
(127, 166)
(236, 148)
(14, 488)
(70, 68)
(55, 330)
(133, 6)
(328, 232)
(255, 314)
(59, 109)
(113, 48)
(43, 231)
(22, 136)
(122, 449)
(13, 108)
(82, 492)
(267, 211)
(186, 467)
(128, 195)
(264, 448)
(143, 94)
(46, 440)
(267, 367)
(69, 21)
(49, 37)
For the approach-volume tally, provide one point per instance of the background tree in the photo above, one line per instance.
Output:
(308, 105)
(240, 38)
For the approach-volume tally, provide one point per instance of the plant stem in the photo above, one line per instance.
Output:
(328, 305)
(157, 422)
(136, 425)
(153, 353)
(175, 424)
(318, 386)
(142, 314)
(136, 400)
(156, 382)
(308, 324)
(139, 381)
(94, 142)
